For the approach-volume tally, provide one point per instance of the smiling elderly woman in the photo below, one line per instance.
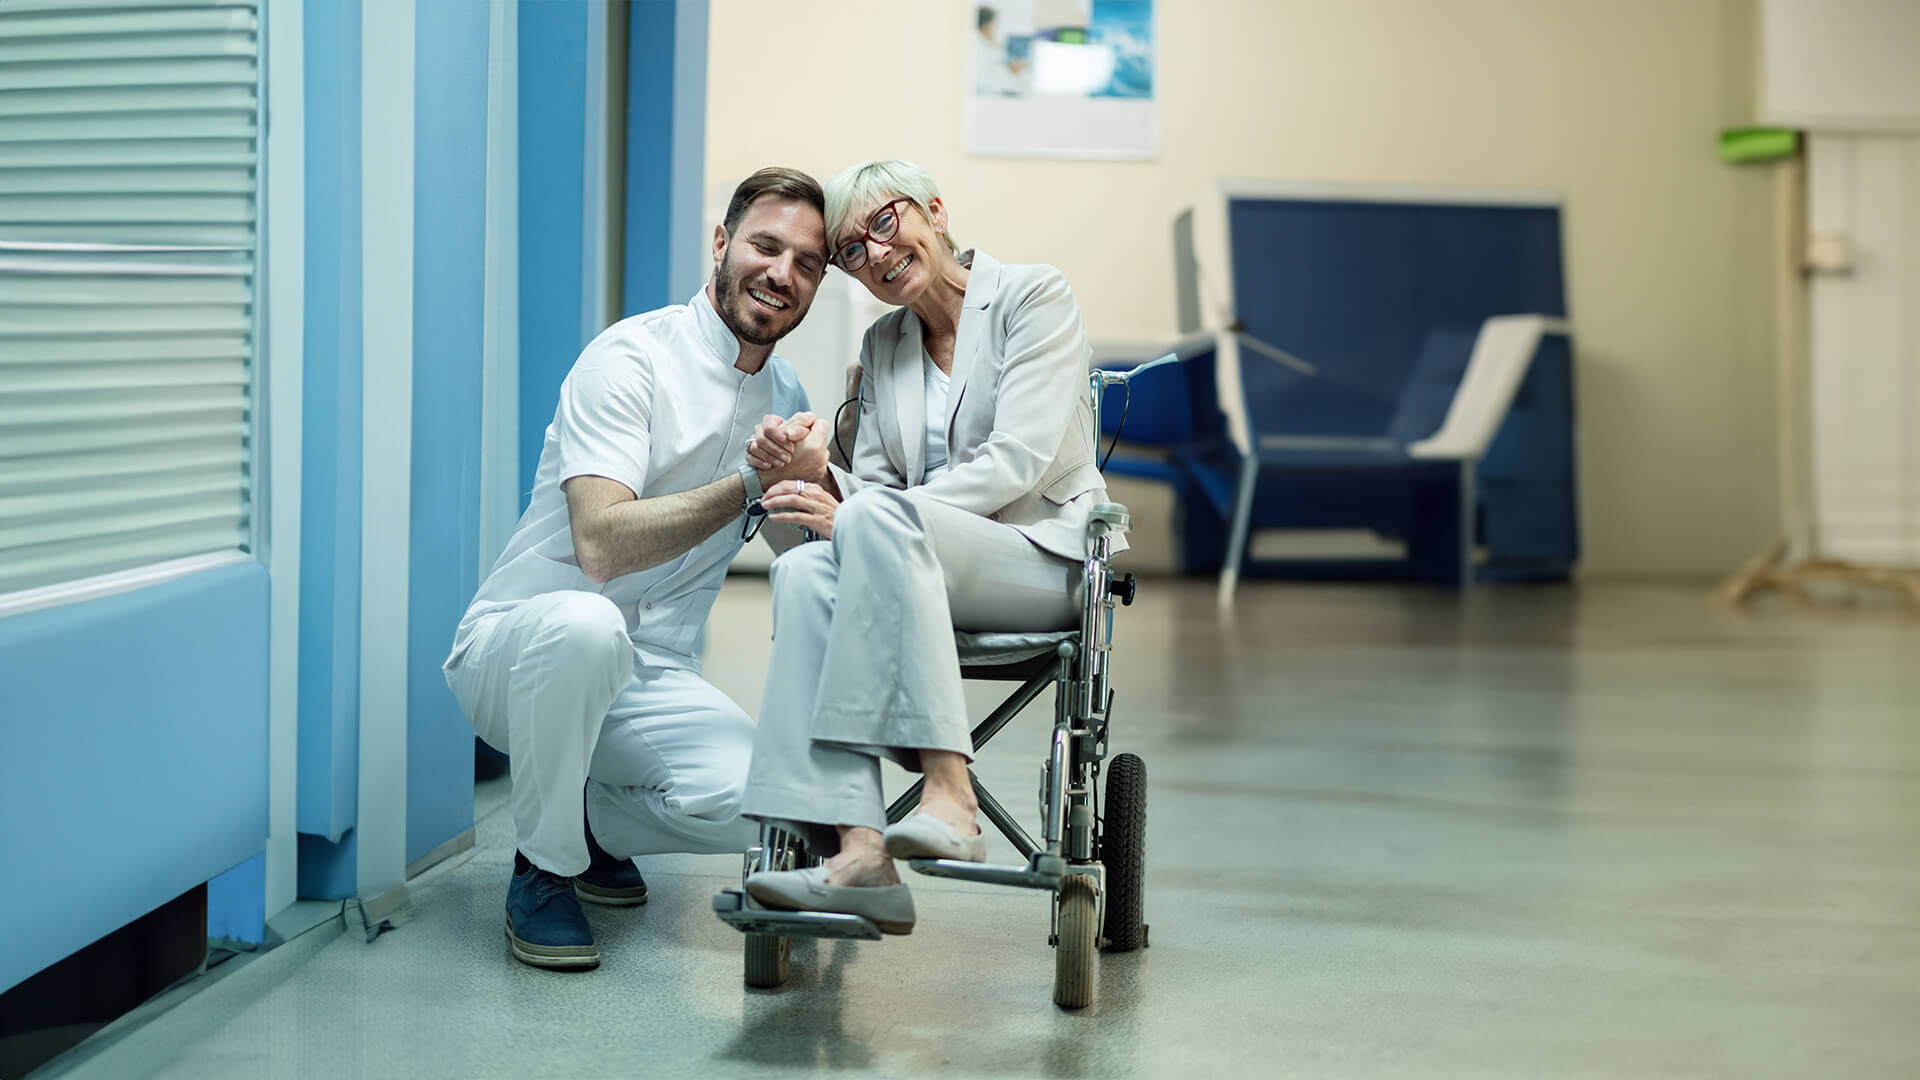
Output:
(963, 505)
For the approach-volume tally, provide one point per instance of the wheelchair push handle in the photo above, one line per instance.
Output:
(1102, 377)
(1099, 379)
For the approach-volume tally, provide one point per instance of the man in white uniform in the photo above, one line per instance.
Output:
(575, 658)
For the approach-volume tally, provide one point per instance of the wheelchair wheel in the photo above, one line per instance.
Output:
(1123, 850)
(769, 958)
(1075, 952)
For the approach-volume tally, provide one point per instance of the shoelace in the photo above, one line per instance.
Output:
(548, 886)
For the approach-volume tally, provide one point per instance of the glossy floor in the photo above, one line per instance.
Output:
(1537, 832)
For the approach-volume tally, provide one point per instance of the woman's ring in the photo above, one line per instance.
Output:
(800, 487)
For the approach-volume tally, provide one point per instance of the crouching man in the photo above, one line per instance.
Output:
(575, 658)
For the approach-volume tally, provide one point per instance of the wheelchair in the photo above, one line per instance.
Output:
(1091, 853)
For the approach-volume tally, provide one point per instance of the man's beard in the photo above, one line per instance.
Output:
(740, 312)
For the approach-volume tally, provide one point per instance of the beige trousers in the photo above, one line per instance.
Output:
(864, 663)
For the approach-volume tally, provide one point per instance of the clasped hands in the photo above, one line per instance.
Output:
(791, 456)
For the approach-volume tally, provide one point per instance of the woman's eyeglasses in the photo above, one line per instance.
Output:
(756, 517)
(883, 226)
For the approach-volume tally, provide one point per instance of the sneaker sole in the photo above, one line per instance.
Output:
(557, 957)
(609, 897)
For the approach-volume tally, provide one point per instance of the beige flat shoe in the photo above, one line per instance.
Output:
(890, 907)
(923, 836)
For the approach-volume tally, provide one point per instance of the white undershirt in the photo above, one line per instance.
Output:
(939, 384)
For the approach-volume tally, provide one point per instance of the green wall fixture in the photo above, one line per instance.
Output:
(1741, 145)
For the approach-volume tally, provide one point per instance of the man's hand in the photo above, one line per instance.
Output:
(797, 502)
(771, 446)
(791, 449)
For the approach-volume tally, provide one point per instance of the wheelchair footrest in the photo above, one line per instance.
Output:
(1042, 876)
(741, 913)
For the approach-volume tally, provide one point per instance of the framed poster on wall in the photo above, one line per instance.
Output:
(1062, 79)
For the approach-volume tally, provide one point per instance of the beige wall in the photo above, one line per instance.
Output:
(1616, 103)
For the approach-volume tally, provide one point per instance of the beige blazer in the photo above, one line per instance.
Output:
(1019, 425)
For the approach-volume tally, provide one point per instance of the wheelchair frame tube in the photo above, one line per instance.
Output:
(997, 814)
(774, 842)
(1095, 629)
(1010, 708)
(1054, 827)
(983, 731)
(905, 804)
(1094, 625)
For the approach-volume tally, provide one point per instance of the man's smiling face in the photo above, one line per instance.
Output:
(769, 269)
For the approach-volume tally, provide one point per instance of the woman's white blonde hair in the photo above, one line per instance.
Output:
(868, 184)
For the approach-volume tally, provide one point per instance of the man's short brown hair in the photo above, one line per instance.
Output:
(774, 180)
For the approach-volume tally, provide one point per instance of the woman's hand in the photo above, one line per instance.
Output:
(797, 502)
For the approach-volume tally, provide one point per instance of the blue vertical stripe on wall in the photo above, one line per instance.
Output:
(553, 41)
(666, 143)
(449, 300)
(649, 192)
(330, 451)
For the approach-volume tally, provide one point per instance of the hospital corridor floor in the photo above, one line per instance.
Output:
(1392, 832)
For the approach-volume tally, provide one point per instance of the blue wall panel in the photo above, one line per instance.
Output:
(553, 133)
(449, 314)
(133, 756)
(649, 194)
(330, 450)
(665, 197)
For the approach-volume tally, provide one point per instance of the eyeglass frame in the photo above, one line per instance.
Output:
(866, 235)
(756, 516)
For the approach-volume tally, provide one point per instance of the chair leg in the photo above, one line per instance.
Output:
(1463, 567)
(1242, 521)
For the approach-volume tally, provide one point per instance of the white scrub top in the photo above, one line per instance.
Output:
(656, 404)
(939, 385)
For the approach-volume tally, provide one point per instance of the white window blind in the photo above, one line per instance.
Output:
(127, 230)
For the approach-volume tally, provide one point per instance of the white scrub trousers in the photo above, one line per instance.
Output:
(864, 663)
(555, 684)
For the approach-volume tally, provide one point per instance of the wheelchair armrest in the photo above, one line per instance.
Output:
(1108, 517)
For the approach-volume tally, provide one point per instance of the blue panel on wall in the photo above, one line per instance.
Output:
(133, 756)
(553, 42)
(449, 315)
(649, 194)
(330, 450)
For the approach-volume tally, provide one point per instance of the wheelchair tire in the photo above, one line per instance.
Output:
(1075, 952)
(769, 960)
(1123, 850)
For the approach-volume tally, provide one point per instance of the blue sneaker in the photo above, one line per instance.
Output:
(545, 926)
(609, 879)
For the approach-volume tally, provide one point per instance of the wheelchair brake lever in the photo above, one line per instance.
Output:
(1124, 588)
